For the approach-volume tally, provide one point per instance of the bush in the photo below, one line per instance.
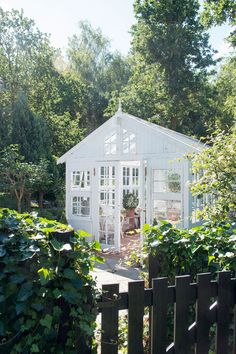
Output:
(46, 292)
(130, 201)
(207, 248)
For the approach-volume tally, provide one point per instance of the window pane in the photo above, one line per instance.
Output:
(167, 210)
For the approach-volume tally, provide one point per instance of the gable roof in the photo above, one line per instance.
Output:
(181, 138)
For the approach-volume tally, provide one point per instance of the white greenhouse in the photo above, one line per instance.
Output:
(128, 155)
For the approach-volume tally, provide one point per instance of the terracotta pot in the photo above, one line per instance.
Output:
(130, 213)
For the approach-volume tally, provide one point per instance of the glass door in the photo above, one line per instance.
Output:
(108, 227)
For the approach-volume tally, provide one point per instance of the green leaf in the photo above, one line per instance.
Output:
(44, 275)
(56, 244)
(46, 321)
(35, 348)
(83, 233)
(70, 274)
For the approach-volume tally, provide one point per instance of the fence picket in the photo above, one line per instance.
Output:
(135, 317)
(159, 316)
(109, 336)
(203, 321)
(181, 342)
(158, 298)
(223, 308)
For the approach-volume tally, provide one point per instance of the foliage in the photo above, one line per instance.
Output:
(170, 35)
(46, 292)
(15, 173)
(215, 167)
(219, 12)
(130, 201)
(100, 70)
(226, 91)
(207, 248)
(30, 132)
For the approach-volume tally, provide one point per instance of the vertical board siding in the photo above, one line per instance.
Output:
(181, 342)
(203, 320)
(135, 317)
(159, 316)
(109, 336)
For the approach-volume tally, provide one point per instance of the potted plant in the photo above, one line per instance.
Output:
(130, 202)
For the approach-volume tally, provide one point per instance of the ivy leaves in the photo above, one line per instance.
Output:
(210, 247)
(44, 277)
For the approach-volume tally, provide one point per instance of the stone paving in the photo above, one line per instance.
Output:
(115, 270)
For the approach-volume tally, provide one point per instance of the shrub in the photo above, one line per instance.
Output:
(46, 292)
(207, 248)
(130, 201)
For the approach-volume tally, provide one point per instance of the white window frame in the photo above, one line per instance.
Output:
(77, 202)
(84, 180)
(129, 143)
(110, 144)
(131, 180)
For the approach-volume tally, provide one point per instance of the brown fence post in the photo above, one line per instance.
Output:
(109, 337)
(223, 309)
(159, 316)
(203, 321)
(135, 317)
(182, 289)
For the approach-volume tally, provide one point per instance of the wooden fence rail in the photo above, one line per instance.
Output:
(215, 303)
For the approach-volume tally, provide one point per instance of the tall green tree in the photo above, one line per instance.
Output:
(225, 103)
(100, 70)
(29, 132)
(15, 173)
(219, 12)
(169, 35)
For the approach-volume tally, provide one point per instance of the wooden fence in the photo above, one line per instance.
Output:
(215, 303)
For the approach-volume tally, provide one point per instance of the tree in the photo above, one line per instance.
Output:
(219, 12)
(65, 133)
(15, 173)
(216, 167)
(42, 180)
(225, 86)
(24, 52)
(169, 35)
(29, 132)
(100, 70)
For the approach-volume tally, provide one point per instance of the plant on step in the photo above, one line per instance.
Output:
(47, 295)
(130, 201)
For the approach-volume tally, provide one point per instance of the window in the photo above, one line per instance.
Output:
(131, 180)
(81, 206)
(129, 142)
(81, 179)
(167, 210)
(166, 181)
(110, 144)
(107, 176)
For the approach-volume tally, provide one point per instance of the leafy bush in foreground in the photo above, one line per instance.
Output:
(207, 248)
(46, 292)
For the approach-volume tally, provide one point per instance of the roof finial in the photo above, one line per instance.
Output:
(119, 106)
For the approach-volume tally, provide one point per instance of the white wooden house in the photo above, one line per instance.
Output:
(128, 154)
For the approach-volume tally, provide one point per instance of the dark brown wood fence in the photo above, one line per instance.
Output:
(208, 302)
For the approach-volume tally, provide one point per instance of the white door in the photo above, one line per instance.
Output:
(108, 205)
(166, 192)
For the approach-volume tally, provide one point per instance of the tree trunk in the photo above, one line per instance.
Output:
(41, 196)
(19, 205)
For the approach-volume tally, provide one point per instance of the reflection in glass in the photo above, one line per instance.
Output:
(167, 210)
